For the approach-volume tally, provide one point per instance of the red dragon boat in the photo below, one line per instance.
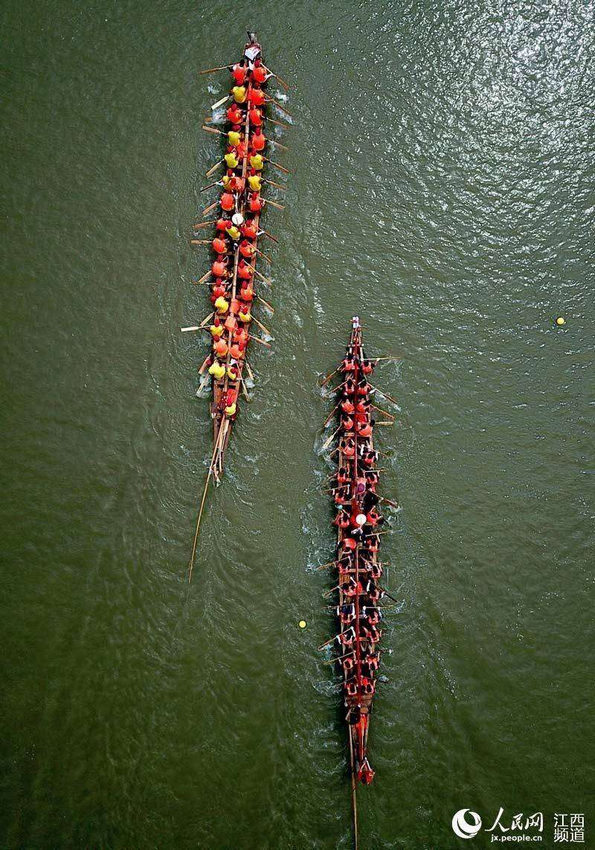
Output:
(233, 278)
(359, 571)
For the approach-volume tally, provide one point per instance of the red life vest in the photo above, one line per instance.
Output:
(259, 74)
(235, 114)
(219, 245)
(258, 142)
(223, 223)
(249, 230)
(347, 406)
(243, 271)
(218, 268)
(247, 293)
(256, 97)
(227, 201)
(246, 249)
(255, 117)
(239, 75)
(255, 202)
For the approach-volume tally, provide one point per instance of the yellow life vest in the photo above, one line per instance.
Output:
(254, 182)
(232, 373)
(217, 370)
(217, 331)
(234, 137)
(225, 180)
(233, 232)
(239, 94)
(256, 161)
(231, 409)
(245, 317)
(221, 305)
(231, 159)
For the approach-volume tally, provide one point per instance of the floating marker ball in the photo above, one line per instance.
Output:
(560, 320)
(302, 624)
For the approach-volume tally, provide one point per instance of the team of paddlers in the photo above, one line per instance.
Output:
(353, 487)
(232, 290)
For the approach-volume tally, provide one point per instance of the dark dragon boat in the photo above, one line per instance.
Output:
(358, 570)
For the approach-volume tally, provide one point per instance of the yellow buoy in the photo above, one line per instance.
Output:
(302, 624)
(560, 320)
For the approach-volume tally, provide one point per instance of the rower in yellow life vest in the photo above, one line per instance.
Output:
(231, 159)
(234, 232)
(217, 370)
(239, 94)
(257, 162)
(244, 315)
(234, 138)
(221, 305)
(255, 182)
(229, 402)
(216, 331)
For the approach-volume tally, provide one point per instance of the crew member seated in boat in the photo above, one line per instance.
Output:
(346, 613)
(347, 407)
(348, 388)
(258, 140)
(368, 366)
(371, 614)
(239, 72)
(365, 773)
(217, 370)
(363, 429)
(249, 229)
(342, 519)
(348, 364)
(348, 665)
(239, 94)
(247, 249)
(219, 245)
(259, 73)
(256, 96)
(347, 423)
(244, 271)
(370, 664)
(256, 162)
(369, 458)
(255, 116)
(372, 592)
(368, 686)
(235, 115)
(255, 182)
(371, 633)
(255, 202)
(346, 638)
(347, 446)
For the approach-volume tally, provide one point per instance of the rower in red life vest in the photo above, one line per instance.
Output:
(348, 364)
(219, 245)
(260, 74)
(347, 447)
(368, 366)
(222, 224)
(220, 348)
(249, 229)
(219, 268)
(258, 140)
(234, 114)
(256, 96)
(342, 519)
(365, 773)
(245, 272)
(347, 423)
(239, 73)
(346, 638)
(364, 429)
(247, 249)
(348, 388)
(227, 201)
(255, 202)
(247, 292)
(236, 184)
(255, 116)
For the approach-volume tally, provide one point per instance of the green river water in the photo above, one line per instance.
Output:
(442, 188)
